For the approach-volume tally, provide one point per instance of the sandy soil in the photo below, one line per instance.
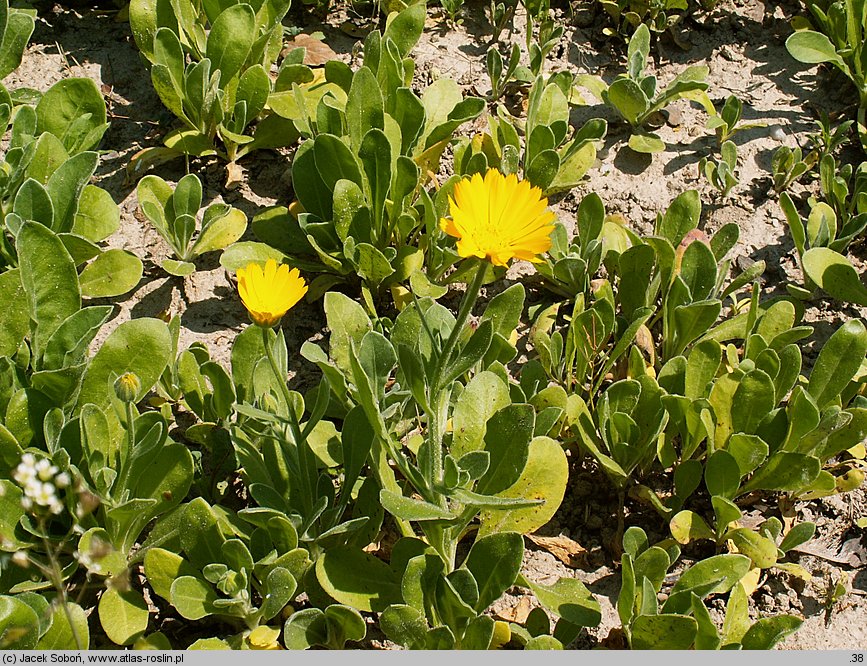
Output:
(742, 43)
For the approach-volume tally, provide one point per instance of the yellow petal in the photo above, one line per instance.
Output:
(268, 294)
(499, 218)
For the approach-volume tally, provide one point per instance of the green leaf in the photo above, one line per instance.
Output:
(405, 28)
(722, 474)
(688, 526)
(681, 217)
(280, 588)
(15, 315)
(799, 534)
(833, 273)
(507, 440)
(544, 478)
(178, 268)
(811, 47)
(762, 551)
(409, 508)
(714, 575)
(569, 599)
(162, 567)
(357, 579)
(838, 362)
(375, 154)
(49, 278)
(142, 346)
(73, 110)
(663, 632)
(230, 40)
(112, 273)
(123, 615)
(19, 625)
(646, 143)
(201, 538)
(18, 27)
(32, 202)
(495, 561)
(97, 217)
(482, 397)
(304, 629)
(629, 99)
(242, 253)
(335, 161)
(404, 625)
(364, 106)
(768, 631)
(371, 264)
(785, 471)
(344, 624)
(193, 598)
(220, 232)
(749, 451)
(348, 323)
(66, 635)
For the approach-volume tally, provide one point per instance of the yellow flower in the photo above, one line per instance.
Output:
(268, 294)
(499, 218)
(264, 638)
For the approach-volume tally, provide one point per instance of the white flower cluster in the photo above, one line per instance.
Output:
(40, 481)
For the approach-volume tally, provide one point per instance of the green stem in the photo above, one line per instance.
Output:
(125, 464)
(307, 468)
(439, 395)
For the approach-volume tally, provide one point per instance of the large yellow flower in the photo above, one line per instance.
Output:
(268, 294)
(499, 218)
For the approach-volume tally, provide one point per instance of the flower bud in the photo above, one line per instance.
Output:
(127, 387)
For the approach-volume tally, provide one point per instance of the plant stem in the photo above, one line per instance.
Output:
(438, 395)
(56, 574)
(301, 448)
(125, 464)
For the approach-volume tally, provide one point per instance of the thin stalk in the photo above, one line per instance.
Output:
(307, 487)
(438, 396)
(57, 580)
(130, 440)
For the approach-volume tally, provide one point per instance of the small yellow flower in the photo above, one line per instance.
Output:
(268, 294)
(264, 638)
(499, 218)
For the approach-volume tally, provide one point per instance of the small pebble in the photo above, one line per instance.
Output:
(777, 133)
(605, 169)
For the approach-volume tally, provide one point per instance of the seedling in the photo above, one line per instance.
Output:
(721, 173)
(174, 214)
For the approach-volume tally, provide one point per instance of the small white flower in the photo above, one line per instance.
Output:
(26, 503)
(24, 474)
(45, 495)
(28, 459)
(56, 507)
(45, 470)
(20, 558)
(62, 480)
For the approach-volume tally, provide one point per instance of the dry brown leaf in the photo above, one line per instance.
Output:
(318, 52)
(788, 512)
(569, 552)
(234, 176)
(517, 613)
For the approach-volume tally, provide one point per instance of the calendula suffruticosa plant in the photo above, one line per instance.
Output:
(433, 397)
